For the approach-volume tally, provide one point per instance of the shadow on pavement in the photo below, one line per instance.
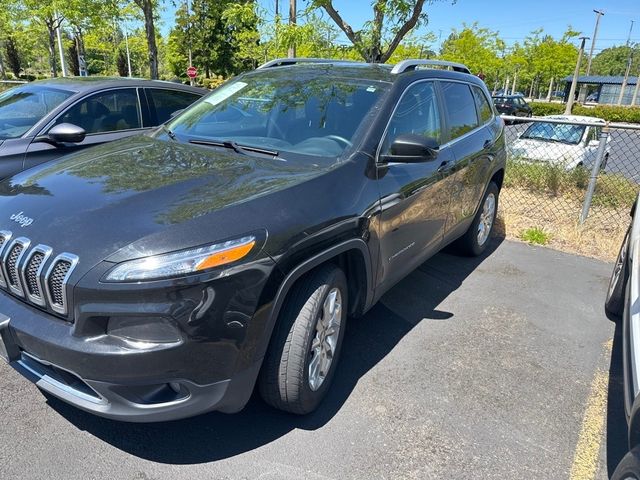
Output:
(216, 436)
(617, 445)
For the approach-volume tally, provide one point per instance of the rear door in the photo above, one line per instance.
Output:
(414, 196)
(164, 102)
(105, 116)
(468, 114)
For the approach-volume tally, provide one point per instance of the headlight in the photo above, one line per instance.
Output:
(183, 262)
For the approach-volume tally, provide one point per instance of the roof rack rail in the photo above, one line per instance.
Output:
(279, 62)
(408, 65)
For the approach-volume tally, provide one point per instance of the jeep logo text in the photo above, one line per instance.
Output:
(23, 220)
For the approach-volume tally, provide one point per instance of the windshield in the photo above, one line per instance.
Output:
(315, 116)
(21, 108)
(555, 132)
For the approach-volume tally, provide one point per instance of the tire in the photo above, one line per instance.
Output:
(471, 243)
(629, 466)
(614, 303)
(285, 380)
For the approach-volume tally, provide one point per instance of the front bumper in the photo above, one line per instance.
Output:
(212, 366)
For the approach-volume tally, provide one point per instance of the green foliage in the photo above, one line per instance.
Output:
(613, 61)
(611, 113)
(13, 56)
(536, 236)
(540, 109)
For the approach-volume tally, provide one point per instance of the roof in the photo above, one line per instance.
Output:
(601, 79)
(83, 84)
(579, 118)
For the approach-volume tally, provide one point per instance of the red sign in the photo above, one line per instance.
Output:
(192, 72)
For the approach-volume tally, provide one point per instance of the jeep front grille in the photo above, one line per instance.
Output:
(22, 272)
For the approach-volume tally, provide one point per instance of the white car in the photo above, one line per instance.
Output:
(566, 145)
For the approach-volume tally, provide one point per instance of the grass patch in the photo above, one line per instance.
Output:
(612, 190)
(535, 235)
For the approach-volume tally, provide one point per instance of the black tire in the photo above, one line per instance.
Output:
(468, 244)
(629, 466)
(284, 378)
(614, 303)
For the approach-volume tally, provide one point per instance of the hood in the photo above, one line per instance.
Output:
(552, 152)
(97, 201)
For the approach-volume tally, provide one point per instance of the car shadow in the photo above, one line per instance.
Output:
(368, 340)
(617, 445)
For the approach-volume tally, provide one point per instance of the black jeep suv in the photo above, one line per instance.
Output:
(167, 274)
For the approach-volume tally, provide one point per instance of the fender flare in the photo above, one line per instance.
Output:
(305, 267)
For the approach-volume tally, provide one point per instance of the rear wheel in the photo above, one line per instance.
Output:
(629, 466)
(304, 351)
(614, 304)
(476, 239)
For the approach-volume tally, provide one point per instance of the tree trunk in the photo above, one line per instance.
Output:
(53, 64)
(150, 30)
(3, 73)
(550, 90)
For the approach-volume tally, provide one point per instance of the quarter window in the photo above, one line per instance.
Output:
(416, 113)
(482, 105)
(461, 108)
(105, 112)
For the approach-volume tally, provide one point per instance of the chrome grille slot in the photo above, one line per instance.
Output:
(11, 262)
(5, 236)
(32, 273)
(56, 281)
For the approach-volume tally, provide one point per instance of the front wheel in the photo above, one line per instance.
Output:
(629, 466)
(474, 242)
(304, 351)
(614, 303)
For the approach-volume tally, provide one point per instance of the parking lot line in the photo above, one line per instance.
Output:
(585, 460)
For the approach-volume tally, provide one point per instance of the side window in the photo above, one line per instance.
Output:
(105, 112)
(165, 102)
(416, 113)
(482, 105)
(461, 108)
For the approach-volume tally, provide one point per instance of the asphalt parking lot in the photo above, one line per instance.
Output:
(469, 368)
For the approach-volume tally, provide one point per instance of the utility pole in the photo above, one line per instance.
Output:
(292, 22)
(635, 90)
(583, 89)
(576, 73)
(277, 7)
(60, 49)
(126, 46)
(630, 30)
(628, 69)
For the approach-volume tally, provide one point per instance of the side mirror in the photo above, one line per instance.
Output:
(412, 148)
(65, 133)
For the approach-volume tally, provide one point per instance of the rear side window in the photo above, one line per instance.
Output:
(105, 112)
(460, 107)
(482, 105)
(165, 102)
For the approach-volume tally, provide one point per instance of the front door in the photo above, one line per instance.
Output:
(414, 196)
(105, 116)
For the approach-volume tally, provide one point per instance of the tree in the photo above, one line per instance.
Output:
(148, 8)
(613, 61)
(379, 38)
(13, 56)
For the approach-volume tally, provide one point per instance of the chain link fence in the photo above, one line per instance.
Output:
(575, 168)
(575, 178)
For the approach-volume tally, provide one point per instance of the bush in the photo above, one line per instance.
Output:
(213, 82)
(541, 109)
(611, 113)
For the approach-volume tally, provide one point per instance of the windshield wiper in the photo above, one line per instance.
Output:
(169, 132)
(236, 147)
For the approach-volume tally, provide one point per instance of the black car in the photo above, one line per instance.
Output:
(44, 120)
(514, 105)
(164, 275)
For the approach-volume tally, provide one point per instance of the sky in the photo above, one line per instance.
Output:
(514, 20)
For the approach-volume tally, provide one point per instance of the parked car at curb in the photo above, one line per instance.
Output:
(227, 248)
(623, 304)
(514, 105)
(46, 119)
(567, 145)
